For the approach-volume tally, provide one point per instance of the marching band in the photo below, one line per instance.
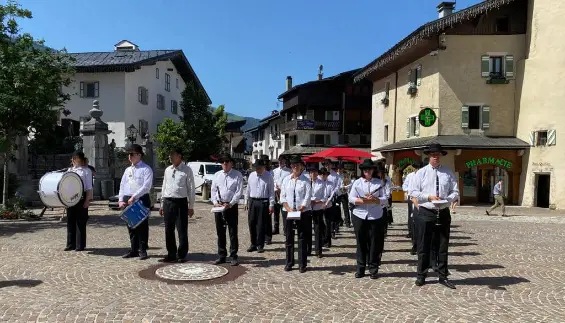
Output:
(309, 198)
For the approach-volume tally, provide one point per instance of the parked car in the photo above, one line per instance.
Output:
(203, 171)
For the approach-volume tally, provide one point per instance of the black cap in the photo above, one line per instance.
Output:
(225, 157)
(259, 163)
(177, 151)
(296, 160)
(135, 148)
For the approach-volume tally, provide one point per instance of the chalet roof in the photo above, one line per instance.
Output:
(427, 30)
(331, 78)
(271, 117)
(129, 61)
(457, 142)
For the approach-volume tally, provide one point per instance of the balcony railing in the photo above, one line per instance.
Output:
(311, 125)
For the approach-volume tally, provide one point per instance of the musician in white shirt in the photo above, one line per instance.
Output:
(319, 199)
(296, 194)
(136, 184)
(77, 216)
(279, 174)
(177, 205)
(226, 192)
(412, 207)
(259, 202)
(333, 207)
(328, 215)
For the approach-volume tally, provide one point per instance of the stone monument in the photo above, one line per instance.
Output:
(95, 147)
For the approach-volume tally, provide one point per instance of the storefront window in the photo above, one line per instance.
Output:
(470, 183)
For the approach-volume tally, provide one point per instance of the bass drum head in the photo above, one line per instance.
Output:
(70, 189)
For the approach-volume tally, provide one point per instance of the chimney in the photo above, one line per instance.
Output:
(445, 8)
(288, 83)
(321, 72)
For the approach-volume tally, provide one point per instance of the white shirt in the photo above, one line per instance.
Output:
(296, 192)
(261, 186)
(85, 174)
(388, 187)
(319, 193)
(136, 181)
(360, 188)
(279, 174)
(406, 184)
(227, 187)
(333, 179)
(178, 182)
(423, 185)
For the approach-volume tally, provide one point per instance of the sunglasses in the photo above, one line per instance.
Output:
(225, 162)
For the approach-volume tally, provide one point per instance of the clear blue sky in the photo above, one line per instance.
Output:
(242, 50)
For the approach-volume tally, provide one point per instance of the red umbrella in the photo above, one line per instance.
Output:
(310, 159)
(341, 153)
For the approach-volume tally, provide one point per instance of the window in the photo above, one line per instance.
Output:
(543, 138)
(89, 89)
(279, 144)
(201, 170)
(160, 102)
(143, 128)
(415, 76)
(332, 115)
(502, 25)
(157, 73)
(320, 139)
(385, 136)
(177, 83)
(497, 67)
(142, 95)
(213, 169)
(475, 117)
(167, 82)
(174, 107)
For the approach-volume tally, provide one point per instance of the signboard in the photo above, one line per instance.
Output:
(501, 162)
(427, 117)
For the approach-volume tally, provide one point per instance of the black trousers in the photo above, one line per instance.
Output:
(228, 219)
(336, 217)
(258, 219)
(369, 235)
(277, 217)
(433, 240)
(344, 200)
(175, 212)
(319, 227)
(328, 226)
(139, 236)
(284, 213)
(77, 216)
(414, 231)
(389, 209)
(410, 219)
(304, 230)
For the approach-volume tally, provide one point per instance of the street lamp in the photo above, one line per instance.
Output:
(131, 132)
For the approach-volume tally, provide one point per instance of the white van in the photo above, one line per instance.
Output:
(203, 171)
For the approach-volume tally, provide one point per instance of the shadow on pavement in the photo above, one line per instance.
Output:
(20, 283)
(11, 228)
(496, 283)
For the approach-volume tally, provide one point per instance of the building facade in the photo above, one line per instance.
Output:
(134, 87)
(457, 81)
(267, 139)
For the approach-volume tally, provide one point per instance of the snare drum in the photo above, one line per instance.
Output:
(60, 189)
(135, 214)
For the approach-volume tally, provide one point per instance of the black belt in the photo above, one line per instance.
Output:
(259, 199)
(175, 199)
(433, 210)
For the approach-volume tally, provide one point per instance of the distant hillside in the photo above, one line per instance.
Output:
(250, 122)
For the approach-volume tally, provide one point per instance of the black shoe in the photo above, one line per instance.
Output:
(182, 260)
(487, 213)
(333, 235)
(359, 274)
(168, 259)
(327, 245)
(69, 248)
(143, 256)
(413, 252)
(420, 282)
(79, 249)
(260, 250)
(268, 242)
(234, 262)
(287, 268)
(447, 283)
(348, 225)
(302, 270)
(374, 276)
(220, 261)
(251, 249)
(130, 255)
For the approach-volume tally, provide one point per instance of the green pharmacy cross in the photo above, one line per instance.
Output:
(427, 117)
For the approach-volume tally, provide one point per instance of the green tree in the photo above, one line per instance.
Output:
(31, 76)
(201, 124)
(220, 122)
(171, 135)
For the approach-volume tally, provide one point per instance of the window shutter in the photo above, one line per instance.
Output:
(551, 137)
(419, 75)
(387, 88)
(532, 138)
(410, 82)
(329, 115)
(485, 66)
(417, 127)
(82, 90)
(96, 86)
(312, 139)
(328, 140)
(465, 117)
(486, 117)
(408, 128)
(139, 94)
(509, 67)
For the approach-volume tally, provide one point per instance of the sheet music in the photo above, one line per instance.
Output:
(293, 215)
(218, 209)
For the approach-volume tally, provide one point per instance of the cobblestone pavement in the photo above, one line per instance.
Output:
(506, 270)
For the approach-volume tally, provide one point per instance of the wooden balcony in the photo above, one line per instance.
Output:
(311, 125)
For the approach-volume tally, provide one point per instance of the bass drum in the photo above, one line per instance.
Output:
(60, 189)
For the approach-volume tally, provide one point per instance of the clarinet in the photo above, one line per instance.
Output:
(224, 211)
(438, 222)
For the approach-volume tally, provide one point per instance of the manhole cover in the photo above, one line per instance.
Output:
(191, 272)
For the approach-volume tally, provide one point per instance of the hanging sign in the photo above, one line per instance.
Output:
(427, 117)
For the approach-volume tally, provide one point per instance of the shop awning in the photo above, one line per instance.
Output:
(458, 142)
(303, 150)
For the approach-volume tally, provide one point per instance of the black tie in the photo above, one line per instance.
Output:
(437, 184)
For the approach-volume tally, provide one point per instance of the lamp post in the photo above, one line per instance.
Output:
(131, 133)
